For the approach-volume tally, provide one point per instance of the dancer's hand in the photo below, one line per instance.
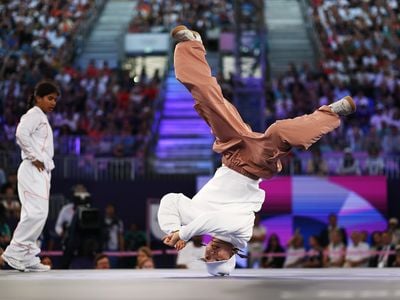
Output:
(171, 239)
(180, 245)
(39, 165)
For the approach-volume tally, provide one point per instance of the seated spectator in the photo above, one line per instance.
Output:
(374, 164)
(144, 253)
(364, 236)
(385, 256)
(317, 165)
(148, 263)
(355, 137)
(47, 261)
(376, 243)
(101, 261)
(335, 252)
(5, 232)
(314, 256)
(276, 258)
(295, 252)
(2, 263)
(190, 256)
(391, 141)
(256, 244)
(393, 228)
(396, 262)
(357, 254)
(11, 203)
(348, 165)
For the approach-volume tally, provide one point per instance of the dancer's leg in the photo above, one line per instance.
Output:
(303, 131)
(192, 70)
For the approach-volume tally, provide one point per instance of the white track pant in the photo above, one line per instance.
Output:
(33, 192)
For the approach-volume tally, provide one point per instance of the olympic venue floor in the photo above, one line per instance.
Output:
(176, 284)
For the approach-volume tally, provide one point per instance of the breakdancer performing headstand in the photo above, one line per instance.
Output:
(225, 206)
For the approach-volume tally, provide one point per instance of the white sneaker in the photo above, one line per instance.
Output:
(344, 106)
(13, 263)
(39, 267)
(181, 33)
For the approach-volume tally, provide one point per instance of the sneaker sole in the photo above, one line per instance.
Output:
(12, 265)
(352, 103)
(177, 29)
(27, 270)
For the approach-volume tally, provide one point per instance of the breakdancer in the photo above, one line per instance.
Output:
(225, 206)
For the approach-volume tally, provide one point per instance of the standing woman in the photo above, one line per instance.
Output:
(35, 138)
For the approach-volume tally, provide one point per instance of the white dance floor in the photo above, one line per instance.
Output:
(183, 284)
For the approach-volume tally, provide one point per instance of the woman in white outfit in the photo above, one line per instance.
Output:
(35, 138)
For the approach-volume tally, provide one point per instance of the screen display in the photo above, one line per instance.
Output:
(304, 203)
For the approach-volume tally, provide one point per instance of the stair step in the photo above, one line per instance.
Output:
(183, 167)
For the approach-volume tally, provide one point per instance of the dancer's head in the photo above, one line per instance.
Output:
(45, 96)
(220, 257)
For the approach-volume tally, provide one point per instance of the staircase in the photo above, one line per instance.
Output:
(288, 39)
(185, 141)
(105, 42)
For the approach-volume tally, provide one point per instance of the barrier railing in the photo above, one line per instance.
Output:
(90, 167)
(86, 167)
(175, 252)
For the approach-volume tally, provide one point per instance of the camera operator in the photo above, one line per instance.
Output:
(81, 227)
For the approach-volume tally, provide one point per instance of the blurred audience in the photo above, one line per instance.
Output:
(393, 228)
(144, 259)
(101, 261)
(348, 165)
(274, 253)
(134, 238)
(335, 252)
(314, 255)
(47, 261)
(385, 254)
(295, 252)
(357, 253)
(256, 244)
(5, 232)
(325, 234)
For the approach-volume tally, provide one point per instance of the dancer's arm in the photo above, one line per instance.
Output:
(26, 128)
(175, 210)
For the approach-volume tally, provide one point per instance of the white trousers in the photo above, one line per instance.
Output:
(33, 192)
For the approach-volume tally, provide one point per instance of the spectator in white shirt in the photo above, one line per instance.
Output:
(348, 165)
(374, 164)
(357, 254)
(256, 244)
(295, 253)
(334, 255)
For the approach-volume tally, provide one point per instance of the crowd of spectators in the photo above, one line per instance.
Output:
(331, 248)
(106, 105)
(360, 43)
(162, 15)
